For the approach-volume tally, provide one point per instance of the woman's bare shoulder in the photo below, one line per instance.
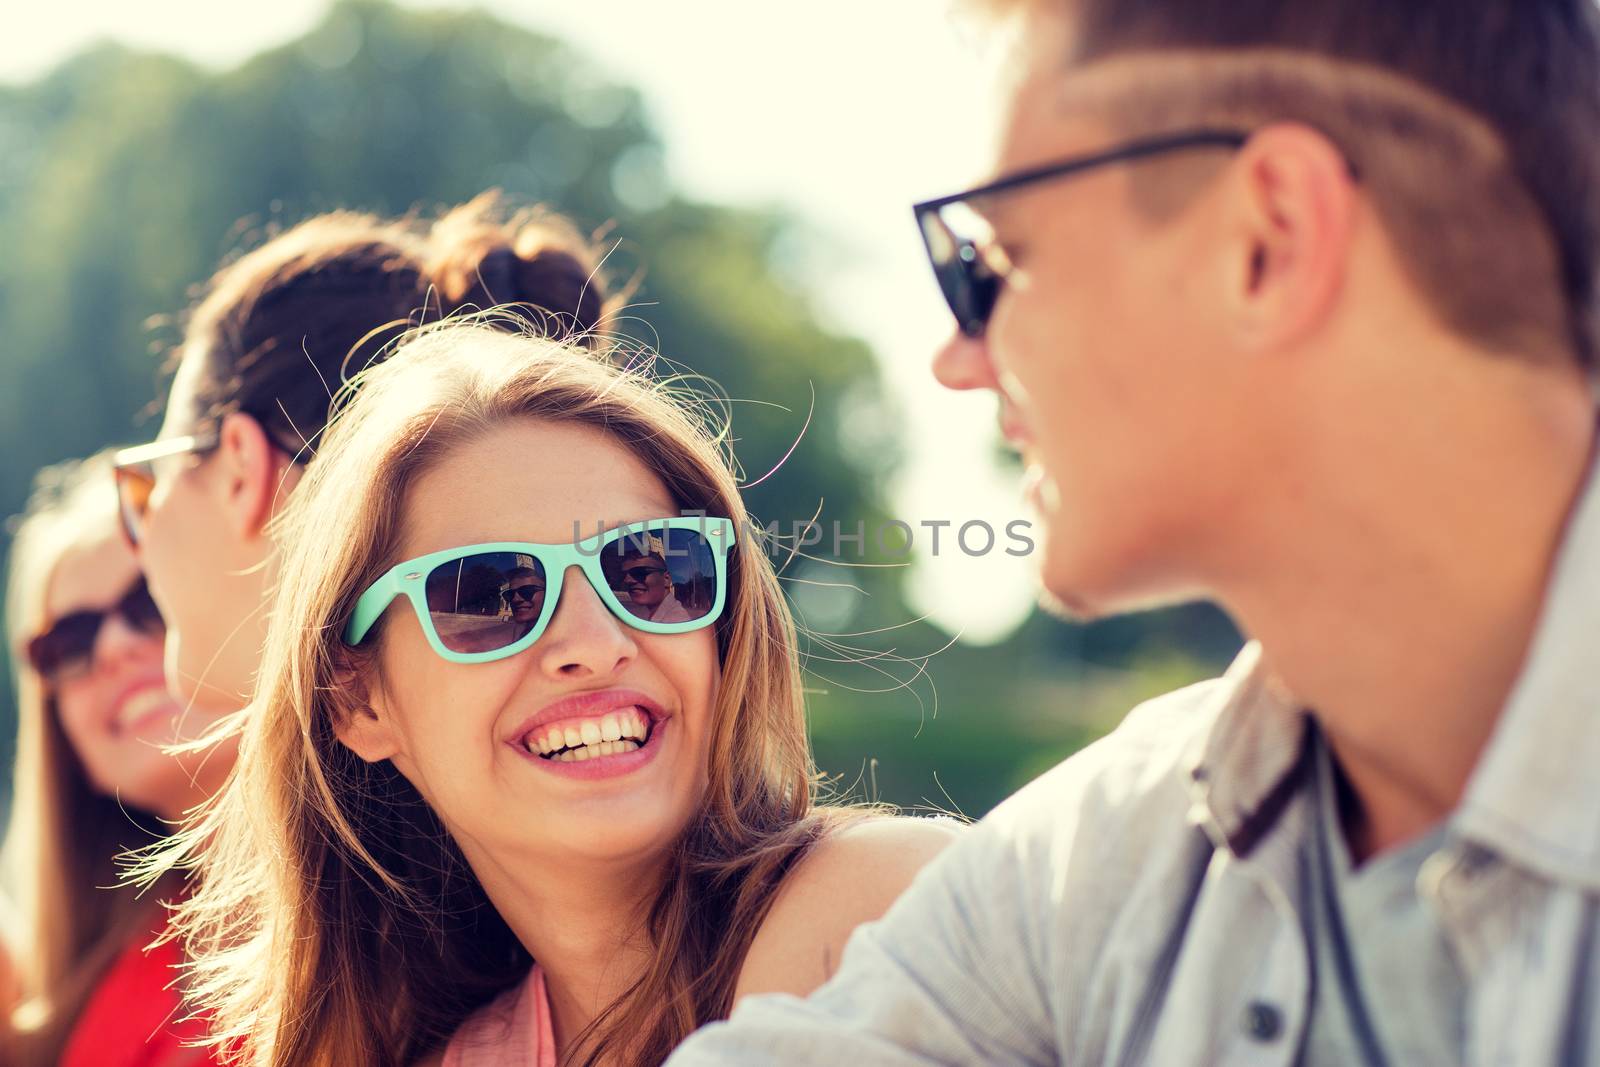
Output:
(850, 877)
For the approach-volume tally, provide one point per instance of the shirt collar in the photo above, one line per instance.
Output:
(1244, 769)
(1534, 797)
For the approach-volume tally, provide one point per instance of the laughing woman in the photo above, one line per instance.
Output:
(512, 790)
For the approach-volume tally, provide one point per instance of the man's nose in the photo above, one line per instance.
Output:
(964, 363)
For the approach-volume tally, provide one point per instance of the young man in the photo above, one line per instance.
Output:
(1289, 306)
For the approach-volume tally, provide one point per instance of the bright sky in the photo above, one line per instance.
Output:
(889, 100)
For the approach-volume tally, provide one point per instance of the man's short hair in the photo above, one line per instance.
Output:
(1474, 124)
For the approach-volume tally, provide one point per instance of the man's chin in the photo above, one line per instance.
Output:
(1087, 586)
(1068, 606)
(1072, 585)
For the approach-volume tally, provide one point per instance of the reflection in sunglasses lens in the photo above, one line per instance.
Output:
(662, 575)
(486, 601)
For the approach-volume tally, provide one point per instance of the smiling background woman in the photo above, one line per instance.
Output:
(92, 781)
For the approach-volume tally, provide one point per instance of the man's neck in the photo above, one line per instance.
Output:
(1397, 592)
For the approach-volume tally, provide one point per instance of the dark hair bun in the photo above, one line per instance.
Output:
(279, 327)
(529, 263)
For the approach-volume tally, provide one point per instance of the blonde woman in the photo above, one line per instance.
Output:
(475, 824)
(91, 781)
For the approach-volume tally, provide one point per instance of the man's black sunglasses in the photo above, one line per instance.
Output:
(967, 262)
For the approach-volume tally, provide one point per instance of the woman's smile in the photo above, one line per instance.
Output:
(600, 734)
(142, 704)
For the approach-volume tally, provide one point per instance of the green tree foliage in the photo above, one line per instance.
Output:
(126, 177)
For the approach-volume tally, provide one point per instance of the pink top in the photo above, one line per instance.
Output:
(512, 1031)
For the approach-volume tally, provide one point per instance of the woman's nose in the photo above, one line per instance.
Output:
(119, 642)
(584, 639)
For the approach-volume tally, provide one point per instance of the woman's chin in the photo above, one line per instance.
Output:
(161, 788)
(615, 834)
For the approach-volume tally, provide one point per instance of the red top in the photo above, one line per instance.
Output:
(132, 1019)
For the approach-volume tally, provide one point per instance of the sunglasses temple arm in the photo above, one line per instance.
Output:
(371, 606)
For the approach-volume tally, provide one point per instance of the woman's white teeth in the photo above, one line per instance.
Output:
(141, 704)
(604, 748)
(611, 734)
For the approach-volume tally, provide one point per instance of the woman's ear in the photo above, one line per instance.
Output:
(363, 723)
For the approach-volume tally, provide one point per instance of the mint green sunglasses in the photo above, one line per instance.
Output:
(485, 602)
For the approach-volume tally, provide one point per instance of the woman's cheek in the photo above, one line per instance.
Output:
(75, 703)
(696, 673)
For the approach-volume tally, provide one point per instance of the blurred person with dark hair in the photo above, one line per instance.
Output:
(262, 357)
(1292, 307)
(92, 780)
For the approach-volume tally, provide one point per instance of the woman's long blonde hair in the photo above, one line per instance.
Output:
(64, 834)
(334, 922)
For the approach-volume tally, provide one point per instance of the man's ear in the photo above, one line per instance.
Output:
(250, 471)
(1295, 207)
(362, 722)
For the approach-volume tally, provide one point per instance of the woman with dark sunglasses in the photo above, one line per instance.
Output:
(92, 780)
(461, 836)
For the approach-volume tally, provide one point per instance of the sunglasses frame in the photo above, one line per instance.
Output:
(980, 282)
(139, 461)
(138, 589)
(409, 579)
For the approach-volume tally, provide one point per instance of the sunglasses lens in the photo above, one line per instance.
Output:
(662, 575)
(983, 289)
(134, 484)
(139, 609)
(67, 648)
(961, 249)
(487, 601)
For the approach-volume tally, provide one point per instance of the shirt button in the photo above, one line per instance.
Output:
(1262, 1021)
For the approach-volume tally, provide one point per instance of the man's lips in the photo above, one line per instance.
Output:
(1013, 427)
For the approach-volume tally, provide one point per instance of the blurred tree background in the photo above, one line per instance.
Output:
(126, 177)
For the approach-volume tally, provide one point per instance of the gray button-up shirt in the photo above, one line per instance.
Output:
(1142, 903)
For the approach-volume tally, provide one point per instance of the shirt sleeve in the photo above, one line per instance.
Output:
(952, 974)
